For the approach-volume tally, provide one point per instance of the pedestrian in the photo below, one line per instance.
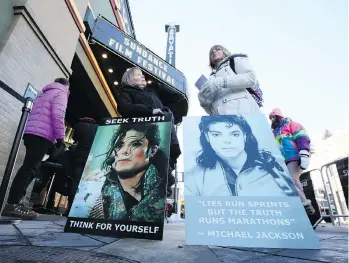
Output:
(294, 144)
(45, 128)
(84, 134)
(232, 87)
(135, 99)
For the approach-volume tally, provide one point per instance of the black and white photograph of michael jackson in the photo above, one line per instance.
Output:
(229, 155)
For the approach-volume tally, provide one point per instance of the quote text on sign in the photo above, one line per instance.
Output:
(252, 213)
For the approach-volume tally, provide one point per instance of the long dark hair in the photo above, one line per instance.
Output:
(151, 132)
(207, 157)
(255, 156)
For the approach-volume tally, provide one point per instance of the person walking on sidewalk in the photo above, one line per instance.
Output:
(232, 87)
(45, 127)
(294, 144)
(84, 134)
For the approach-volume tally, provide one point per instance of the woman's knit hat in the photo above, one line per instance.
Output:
(276, 112)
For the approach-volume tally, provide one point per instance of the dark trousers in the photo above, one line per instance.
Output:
(75, 181)
(36, 148)
(80, 162)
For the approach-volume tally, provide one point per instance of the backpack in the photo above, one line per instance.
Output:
(255, 91)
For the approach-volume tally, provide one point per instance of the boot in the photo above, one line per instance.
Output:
(308, 207)
(20, 211)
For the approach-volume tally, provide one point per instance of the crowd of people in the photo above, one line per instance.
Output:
(231, 91)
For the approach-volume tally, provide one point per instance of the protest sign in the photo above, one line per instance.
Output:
(238, 191)
(122, 191)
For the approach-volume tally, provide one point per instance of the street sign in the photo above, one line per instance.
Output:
(30, 92)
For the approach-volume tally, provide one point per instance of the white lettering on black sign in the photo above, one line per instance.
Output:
(171, 40)
(117, 227)
(138, 119)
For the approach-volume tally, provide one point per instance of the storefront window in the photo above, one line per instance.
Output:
(103, 8)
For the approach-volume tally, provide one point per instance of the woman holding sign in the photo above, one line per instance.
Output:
(232, 87)
(231, 164)
(135, 99)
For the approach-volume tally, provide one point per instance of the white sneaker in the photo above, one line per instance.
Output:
(308, 207)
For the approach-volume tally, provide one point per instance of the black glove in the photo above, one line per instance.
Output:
(166, 110)
(57, 150)
(59, 143)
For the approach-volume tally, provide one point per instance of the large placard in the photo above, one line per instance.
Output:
(238, 191)
(122, 191)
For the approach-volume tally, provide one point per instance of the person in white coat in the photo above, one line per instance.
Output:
(227, 92)
(231, 164)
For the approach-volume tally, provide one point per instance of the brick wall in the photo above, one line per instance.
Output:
(10, 113)
(56, 22)
(23, 59)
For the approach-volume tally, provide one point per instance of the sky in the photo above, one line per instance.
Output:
(299, 50)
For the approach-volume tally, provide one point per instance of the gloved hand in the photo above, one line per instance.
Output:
(304, 159)
(59, 143)
(57, 150)
(211, 87)
(204, 101)
(165, 110)
(157, 112)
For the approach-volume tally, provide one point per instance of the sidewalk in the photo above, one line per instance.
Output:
(45, 241)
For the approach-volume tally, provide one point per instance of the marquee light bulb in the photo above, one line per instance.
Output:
(116, 83)
(110, 70)
(149, 81)
(104, 55)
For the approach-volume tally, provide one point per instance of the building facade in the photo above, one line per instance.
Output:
(41, 40)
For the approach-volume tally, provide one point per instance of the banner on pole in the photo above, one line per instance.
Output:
(238, 191)
(122, 191)
(171, 45)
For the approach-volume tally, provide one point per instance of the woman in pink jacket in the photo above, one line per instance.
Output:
(45, 127)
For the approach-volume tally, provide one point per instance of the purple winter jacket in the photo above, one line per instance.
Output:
(47, 117)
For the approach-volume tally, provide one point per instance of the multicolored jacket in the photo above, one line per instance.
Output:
(291, 137)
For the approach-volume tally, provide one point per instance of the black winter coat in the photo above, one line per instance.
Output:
(84, 134)
(136, 102)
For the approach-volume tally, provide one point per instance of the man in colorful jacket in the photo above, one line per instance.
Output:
(294, 144)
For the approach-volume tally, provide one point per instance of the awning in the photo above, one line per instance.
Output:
(116, 52)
